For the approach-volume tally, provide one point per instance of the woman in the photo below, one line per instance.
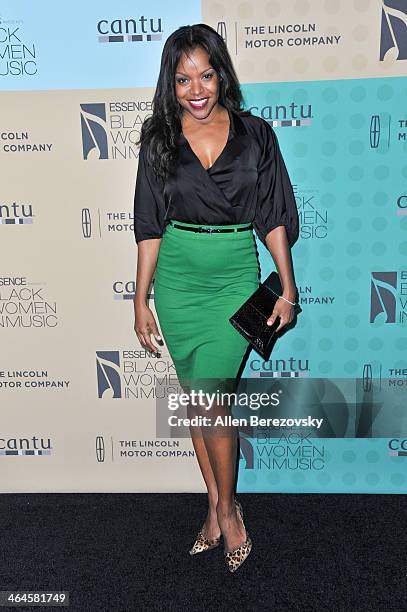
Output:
(208, 173)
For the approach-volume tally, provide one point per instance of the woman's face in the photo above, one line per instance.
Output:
(196, 83)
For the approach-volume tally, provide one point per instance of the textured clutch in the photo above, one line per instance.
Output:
(251, 318)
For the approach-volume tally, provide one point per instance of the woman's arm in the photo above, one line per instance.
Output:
(146, 264)
(277, 244)
(145, 323)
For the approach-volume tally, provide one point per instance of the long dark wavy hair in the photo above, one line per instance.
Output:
(160, 132)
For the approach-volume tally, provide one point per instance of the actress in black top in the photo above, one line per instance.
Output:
(204, 162)
(248, 182)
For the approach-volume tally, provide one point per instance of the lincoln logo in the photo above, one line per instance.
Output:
(100, 449)
(374, 131)
(367, 377)
(86, 223)
(221, 29)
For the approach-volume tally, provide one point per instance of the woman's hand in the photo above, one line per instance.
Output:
(144, 326)
(284, 310)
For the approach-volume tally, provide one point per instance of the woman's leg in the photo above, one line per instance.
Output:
(222, 451)
(218, 451)
(212, 529)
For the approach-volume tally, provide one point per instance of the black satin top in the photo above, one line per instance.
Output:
(248, 183)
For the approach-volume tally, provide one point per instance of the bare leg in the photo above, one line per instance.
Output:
(218, 466)
(211, 528)
(222, 456)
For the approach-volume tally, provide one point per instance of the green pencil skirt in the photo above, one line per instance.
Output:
(201, 279)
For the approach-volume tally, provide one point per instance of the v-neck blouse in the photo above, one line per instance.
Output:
(185, 142)
(247, 183)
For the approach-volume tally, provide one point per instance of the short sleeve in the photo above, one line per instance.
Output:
(149, 203)
(276, 204)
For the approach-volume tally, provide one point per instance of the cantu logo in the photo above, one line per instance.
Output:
(25, 446)
(402, 205)
(398, 447)
(279, 368)
(16, 214)
(285, 115)
(129, 30)
(123, 290)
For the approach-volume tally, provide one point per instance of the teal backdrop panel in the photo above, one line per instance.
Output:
(293, 464)
(344, 143)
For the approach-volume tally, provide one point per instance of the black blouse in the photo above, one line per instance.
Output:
(248, 183)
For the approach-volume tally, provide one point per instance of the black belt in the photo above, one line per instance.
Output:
(211, 230)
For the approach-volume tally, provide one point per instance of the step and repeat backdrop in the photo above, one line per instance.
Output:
(78, 393)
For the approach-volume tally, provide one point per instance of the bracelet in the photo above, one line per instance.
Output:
(283, 298)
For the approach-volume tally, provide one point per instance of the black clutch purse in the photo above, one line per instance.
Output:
(251, 318)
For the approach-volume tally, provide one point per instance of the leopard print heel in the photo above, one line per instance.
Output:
(235, 558)
(203, 544)
(239, 508)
